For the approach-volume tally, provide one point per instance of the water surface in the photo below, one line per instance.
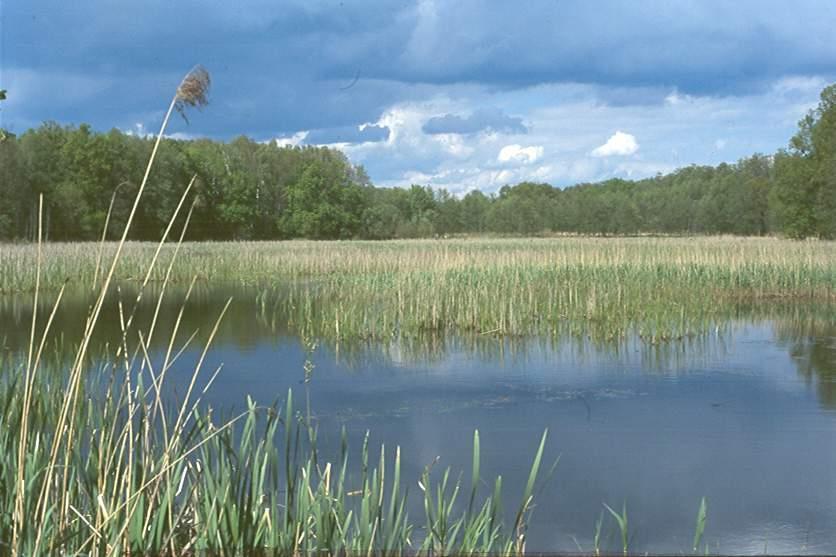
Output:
(744, 415)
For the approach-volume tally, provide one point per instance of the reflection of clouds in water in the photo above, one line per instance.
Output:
(744, 350)
(510, 394)
(773, 538)
(770, 538)
(764, 458)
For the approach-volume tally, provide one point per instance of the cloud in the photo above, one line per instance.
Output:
(620, 144)
(697, 47)
(347, 134)
(294, 140)
(675, 98)
(313, 64)
(638, 169)
(520, 154)
(480, 120)
(568, 121)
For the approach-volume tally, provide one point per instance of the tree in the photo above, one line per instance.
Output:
(323, 203)
(805, 194)
(13, 190)
(474, 212)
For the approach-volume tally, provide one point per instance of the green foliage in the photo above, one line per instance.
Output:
(324, 203)
(251, 190)
(138, 483)
(805, 187)
(699, 529)
(245, 190)
(793, 195)
(623, 526)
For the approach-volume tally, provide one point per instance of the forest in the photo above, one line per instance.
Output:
(249, 190)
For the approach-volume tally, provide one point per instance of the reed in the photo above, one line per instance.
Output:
(136, 483)
(659, 289)
(758, 266)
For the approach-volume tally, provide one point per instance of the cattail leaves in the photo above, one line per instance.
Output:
(700, 527)
(623, 526)
(233, 490)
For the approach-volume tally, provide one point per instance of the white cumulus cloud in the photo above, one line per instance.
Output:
(619, 143)
(518, 153)
(293, 141)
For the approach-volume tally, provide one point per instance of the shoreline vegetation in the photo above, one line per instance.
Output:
(659, 289)
(759, 267)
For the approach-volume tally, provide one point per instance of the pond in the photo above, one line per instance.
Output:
(743, 415)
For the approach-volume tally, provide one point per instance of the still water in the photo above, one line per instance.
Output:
(744, 416)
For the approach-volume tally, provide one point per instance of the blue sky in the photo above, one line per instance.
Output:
(457, 94)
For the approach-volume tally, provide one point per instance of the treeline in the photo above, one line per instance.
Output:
(250, 190)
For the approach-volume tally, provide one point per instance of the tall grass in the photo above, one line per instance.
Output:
(659, 290)
(607, 289)
(136, 482)
(759, 266)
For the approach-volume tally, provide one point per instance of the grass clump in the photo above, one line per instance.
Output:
(136, 480)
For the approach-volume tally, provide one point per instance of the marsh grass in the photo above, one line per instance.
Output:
(606, 290)
(764, 267)
(660, 289)
(255, 483)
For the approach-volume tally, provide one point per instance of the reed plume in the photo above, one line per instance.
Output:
(193, 91)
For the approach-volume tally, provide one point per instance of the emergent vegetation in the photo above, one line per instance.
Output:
(659, 288)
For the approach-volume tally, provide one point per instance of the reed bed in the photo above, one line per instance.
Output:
(142, 478)
(659, 289)
(761, 266)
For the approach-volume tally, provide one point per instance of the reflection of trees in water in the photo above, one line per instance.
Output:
(630, 353)
(807, 331)
(811, 341)
(200, 312)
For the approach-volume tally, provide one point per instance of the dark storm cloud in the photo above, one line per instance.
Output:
(480, 120)
(276, 67)
(280, 67)
(702, 47)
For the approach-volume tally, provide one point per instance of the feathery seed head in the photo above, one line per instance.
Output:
(192, 90)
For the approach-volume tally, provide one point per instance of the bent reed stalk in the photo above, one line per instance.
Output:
(95, 460)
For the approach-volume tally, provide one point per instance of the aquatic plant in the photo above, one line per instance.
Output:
(660, 289)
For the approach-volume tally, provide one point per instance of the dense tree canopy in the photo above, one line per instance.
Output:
(250, 190)
(804, 194)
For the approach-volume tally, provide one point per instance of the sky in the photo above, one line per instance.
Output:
(458, 94)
